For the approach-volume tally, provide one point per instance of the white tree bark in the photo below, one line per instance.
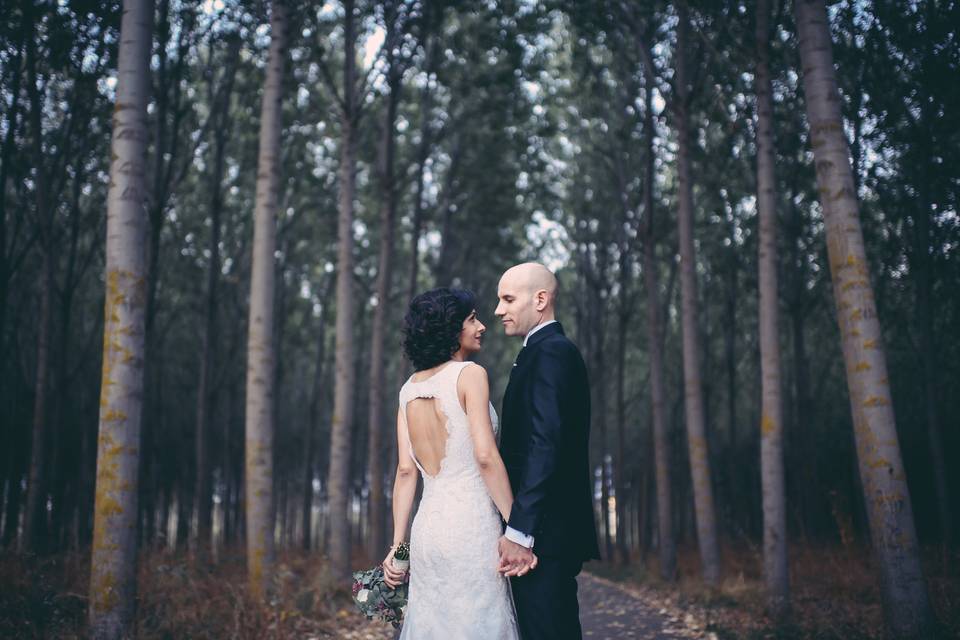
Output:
(114, 554)
(889, 511)
(692, 384)
(258, 443)
(771, 423)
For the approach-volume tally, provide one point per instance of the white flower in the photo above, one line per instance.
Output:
(363, 595)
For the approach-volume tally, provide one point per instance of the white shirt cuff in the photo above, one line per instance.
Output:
(519, 537)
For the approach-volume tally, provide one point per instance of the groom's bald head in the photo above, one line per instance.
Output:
(526, 294)
(534, 277)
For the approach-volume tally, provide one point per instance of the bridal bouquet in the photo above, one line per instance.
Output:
(377, 600)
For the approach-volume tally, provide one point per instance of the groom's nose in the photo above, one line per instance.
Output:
(499, 310)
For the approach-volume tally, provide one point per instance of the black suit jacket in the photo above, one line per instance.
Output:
(544, 445)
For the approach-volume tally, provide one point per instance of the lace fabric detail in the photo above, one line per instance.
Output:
(455, 590)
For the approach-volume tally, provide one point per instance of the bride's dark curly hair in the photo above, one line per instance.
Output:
(431, 328)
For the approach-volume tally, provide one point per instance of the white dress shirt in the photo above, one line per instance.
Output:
(512, 534)
(535, 329)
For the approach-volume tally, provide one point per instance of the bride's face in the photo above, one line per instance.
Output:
(471, 335)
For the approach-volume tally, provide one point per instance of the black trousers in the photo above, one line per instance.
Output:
(546, 601)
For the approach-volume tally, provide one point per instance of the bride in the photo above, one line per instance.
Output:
(447, 430)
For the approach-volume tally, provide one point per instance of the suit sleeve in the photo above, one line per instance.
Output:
(548, 387)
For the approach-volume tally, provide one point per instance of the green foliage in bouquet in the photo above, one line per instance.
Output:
(375, 598)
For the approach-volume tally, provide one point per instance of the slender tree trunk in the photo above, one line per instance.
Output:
(621, 491)
(661, 438)
(802, 415)
(11, 518)
(65, 440)
(34, 525)
(378, 361)
(306, 504)
(705, 511)
(423, 153)
(86, 481)
(313, 420)
(931, 372)
(771, 422)
(730, 364)
(889, 510)
(114, 556)
(258, 441)
(343, 395)
(34, 530)
(599, 388)
(203, 492)
(9, 146)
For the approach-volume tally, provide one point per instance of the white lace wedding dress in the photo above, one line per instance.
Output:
(455, 590)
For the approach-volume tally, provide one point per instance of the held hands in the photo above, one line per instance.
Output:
(392, 576)
(515, 559)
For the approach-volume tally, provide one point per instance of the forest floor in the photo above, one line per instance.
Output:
(834, 591)
(178, 597)
(835, 594)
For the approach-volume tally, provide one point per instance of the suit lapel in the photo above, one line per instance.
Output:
(521, 368)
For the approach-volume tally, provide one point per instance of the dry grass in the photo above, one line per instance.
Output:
(835, 593)
(179, 597)
(835, 596)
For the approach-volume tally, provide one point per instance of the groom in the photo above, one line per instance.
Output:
(545, 436)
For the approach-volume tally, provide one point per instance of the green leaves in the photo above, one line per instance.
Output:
(376, 599)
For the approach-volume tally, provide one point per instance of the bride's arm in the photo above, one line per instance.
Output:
(405, 483)
(404, 490)
(475, 392)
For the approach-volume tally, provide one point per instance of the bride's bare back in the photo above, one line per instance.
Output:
(427, 425)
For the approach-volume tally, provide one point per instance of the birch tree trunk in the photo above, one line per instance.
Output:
(704, 509)
(342, 422)
(114, 554)
(388, 204)
(258, 440)
(771, 422)
(906, 606)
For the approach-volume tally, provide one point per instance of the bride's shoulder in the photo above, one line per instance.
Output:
(472, 375)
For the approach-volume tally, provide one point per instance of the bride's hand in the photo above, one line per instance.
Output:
(391, 575)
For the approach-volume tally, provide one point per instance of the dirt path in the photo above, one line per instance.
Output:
(608, 610)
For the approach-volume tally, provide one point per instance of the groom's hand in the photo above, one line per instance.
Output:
(515, 559)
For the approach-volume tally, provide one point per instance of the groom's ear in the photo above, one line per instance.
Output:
(540, 299)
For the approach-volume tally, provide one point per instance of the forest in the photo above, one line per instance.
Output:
(214, 214)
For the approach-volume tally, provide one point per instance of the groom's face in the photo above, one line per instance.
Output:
(516, 306)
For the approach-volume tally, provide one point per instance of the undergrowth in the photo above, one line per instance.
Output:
(177, 597)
